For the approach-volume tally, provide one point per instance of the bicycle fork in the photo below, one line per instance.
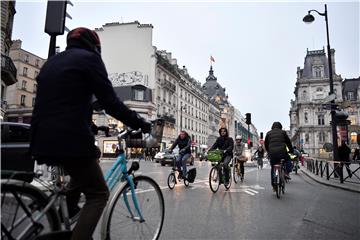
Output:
(135, 201)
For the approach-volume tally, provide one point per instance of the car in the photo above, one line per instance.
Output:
(166, 157)
(15, 154)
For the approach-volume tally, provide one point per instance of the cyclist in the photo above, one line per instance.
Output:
(260, 155)
(184, 143)
(226, 144)
(238, 151)
(276, 141)
(62, 119)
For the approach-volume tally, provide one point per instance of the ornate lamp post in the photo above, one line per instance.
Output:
(308, 19)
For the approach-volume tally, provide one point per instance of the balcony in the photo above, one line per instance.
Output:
(168, 85)
(8, 70)
(168, 118)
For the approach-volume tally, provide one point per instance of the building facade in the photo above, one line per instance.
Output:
(8, 69)
(20, 97)
(310, 125)
(351, 105)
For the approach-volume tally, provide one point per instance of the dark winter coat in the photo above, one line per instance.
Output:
(62, 115)
(344, 153)
(224, 143)
(184, 144)
(277, 140)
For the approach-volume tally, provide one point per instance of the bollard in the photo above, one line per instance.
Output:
(321, 169)
(341, 173)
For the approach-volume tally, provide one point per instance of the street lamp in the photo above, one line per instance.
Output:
(308, 19)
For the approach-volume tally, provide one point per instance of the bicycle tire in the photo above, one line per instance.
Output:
(214, 179)
(27, 200)
(236, 175)
(128, 227)
(186, 183)
(171, 181)
(227, 186)
(277, 184)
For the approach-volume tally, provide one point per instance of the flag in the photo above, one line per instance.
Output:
(212, 59)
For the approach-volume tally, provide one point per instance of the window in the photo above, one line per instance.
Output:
(18, 133)
(33, 102)
(36, 73)
(306, 138)
(23, 85)
(353, 136)
(321, 119)
(25, 69)
(26, 58)
(37, 62)
(318, 71)
(304, 95)
(322, 137)
(139, 94)
(306, 117)
(35, 88)
(22, 100)
(350, 96)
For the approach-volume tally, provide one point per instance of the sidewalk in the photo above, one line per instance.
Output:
(352, 185)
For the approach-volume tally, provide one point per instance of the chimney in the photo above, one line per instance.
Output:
(185, 70)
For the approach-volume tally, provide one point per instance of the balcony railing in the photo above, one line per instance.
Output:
(8, 70)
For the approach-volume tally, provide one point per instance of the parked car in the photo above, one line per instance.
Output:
(15, 142)
(166, 157)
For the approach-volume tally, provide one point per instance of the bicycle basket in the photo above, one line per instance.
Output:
(191, 175)
(214, 155)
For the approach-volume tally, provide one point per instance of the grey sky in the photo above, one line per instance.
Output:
(257, 46)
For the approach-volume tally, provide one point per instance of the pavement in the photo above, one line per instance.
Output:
(350, 184)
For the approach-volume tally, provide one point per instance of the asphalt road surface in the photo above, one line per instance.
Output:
(250, 210)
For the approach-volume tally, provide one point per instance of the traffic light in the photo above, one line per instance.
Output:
(55, 17)
(248, 118)
(261, 135)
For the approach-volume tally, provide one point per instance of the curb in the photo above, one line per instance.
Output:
(329, 184)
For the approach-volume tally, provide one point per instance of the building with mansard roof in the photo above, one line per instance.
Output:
(310, 125)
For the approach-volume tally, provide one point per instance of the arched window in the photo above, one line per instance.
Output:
(306, 138)
(306, 117)
(304, 95)
(353, 136)
(322, 137)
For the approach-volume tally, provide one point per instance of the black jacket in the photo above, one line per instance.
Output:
(344, 153)
(62, 115)
(277, 140)
(224, 143)
(184, 144)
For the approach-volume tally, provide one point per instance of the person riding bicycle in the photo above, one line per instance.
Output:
(238, 153)
(61, 132)
(260, 154)
(226, 144)
(276, 141)
(184, 143)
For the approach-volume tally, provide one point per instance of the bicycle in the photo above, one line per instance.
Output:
(260, 162)
(237, 175)
(217, 174)
(136, 213)
(173, 180)
(279, 178)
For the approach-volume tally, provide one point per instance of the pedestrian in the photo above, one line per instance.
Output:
(356, 154)
(344, 156)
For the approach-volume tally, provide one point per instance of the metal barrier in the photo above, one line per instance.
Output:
(323, 167)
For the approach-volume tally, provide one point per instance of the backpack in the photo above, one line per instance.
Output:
(191, 175)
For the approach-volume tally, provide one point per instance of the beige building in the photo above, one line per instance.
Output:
(20, 97)
(8, 69)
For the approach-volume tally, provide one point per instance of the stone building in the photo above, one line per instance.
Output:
(351, 105)
(20, 97)
(310, 125)
(8, 69)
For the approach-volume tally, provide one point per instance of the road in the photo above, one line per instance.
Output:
(250, 210)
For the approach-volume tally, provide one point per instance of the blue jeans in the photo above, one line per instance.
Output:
(181, 161)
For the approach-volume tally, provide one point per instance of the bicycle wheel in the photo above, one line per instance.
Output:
(228, 185)
(21, 206)
(171, 180)
(236, 173)
(214, 179)
(277, 184)
(120, 223)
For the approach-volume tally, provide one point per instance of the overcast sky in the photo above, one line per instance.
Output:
(257, 46)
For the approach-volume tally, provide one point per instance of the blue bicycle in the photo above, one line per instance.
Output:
(136, 208)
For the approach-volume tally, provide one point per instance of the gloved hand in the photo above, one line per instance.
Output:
(146, 127)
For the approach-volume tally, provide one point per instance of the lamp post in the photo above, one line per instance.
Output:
(308, 19)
